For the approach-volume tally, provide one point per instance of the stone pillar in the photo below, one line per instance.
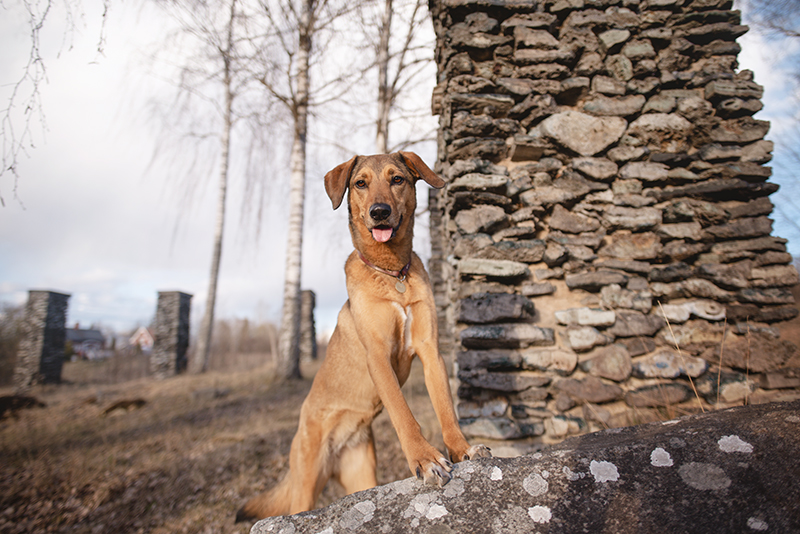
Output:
(607, 199)
(171, 334)
(40, 356)
(308, 331)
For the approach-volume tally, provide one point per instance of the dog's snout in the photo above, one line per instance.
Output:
(380, 212)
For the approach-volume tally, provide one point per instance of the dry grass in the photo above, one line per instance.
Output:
(184, 462)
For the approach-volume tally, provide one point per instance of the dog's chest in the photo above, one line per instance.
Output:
(405, 318)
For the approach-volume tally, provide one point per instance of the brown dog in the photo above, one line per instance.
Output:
(389, 318)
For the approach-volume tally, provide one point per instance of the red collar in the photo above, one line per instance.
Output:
(400, 275)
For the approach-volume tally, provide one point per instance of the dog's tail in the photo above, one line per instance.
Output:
(277, 501)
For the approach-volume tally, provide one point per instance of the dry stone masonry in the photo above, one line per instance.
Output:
(171, 334)
(40, 356)
(602, 251)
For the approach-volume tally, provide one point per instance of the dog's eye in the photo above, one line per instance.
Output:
(361, 184)
(397, 179)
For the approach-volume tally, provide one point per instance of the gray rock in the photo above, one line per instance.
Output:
(739, 131)
(556, 360)
(495, 307)
(555, 254)
(613, 296)
(632, 323)
(646, 171)
(665, 132)
(590, 389)
(508, 382)
(632, 246)
(635, 219)
(483, 427)
(755, 352)
(495, 407)
(534, 38)
(537, 289)
(659, 395)
(612, 362)
(492, 183)
(481, 219)
(597, 168)
(620, 67)
(584, 134)
(505, 335)
(486, 359)
(611, 38)
(574, 223)
(668, 364)
(607, 86)
(492, 268)
(594, 281)
(618, 106)
(725, 387)
(733, 461)
(583, 338)
(585, 317)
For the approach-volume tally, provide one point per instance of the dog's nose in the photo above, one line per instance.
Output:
(380, 212)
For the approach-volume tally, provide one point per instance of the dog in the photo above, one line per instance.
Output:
(389, 318)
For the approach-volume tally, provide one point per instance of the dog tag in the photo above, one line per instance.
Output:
(400, 286)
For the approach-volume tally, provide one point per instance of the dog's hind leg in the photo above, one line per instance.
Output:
(356, 468)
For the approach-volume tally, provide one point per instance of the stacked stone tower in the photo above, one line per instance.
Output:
(40, 356)
(171, 334)
(602, 250)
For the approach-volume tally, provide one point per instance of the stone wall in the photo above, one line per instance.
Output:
(602, 251)
(171, 334)
(40, 356)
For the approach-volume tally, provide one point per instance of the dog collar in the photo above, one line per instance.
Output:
(400, 275)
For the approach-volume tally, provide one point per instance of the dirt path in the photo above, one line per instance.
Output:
(183, 462)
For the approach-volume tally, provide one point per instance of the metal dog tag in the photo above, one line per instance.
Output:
(400, 286)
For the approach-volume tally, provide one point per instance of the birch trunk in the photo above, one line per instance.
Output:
(200, 360)
(289, 344)
(384, 91)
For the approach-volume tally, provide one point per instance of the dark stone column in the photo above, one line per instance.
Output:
(41, 352)
(172, 334)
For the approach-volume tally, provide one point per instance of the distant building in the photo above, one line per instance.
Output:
(142, 338)
(86, 343)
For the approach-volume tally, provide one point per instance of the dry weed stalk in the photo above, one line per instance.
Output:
(683, 360)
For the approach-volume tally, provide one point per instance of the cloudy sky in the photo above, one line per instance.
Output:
(91, 217)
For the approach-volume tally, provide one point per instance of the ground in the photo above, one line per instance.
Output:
(184, 461)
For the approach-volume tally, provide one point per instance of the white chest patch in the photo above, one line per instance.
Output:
(406, 318)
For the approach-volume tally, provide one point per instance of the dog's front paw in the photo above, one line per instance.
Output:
(471, 453)
(478, 451)
(435, 473)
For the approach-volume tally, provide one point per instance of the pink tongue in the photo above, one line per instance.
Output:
(382, 235)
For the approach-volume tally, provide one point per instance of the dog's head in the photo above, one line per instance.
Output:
(382, 193)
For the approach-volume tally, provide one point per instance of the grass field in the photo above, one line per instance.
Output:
(184, 461)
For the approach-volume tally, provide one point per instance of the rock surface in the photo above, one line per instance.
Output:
(731, 471)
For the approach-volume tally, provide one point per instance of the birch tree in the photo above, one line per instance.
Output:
(287, 78)
(217, 74)
(401, 54)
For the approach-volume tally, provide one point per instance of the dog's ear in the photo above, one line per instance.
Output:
(420, 170)
(337, 179)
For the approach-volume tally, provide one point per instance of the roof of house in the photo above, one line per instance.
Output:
(78, 335)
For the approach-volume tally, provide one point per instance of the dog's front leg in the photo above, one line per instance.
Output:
(425, 334)
(424, 460)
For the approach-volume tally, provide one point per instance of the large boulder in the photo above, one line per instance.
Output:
(729, 471)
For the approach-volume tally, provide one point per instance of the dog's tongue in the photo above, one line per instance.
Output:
(382, 235)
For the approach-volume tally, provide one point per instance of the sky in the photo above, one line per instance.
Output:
(92, 217)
